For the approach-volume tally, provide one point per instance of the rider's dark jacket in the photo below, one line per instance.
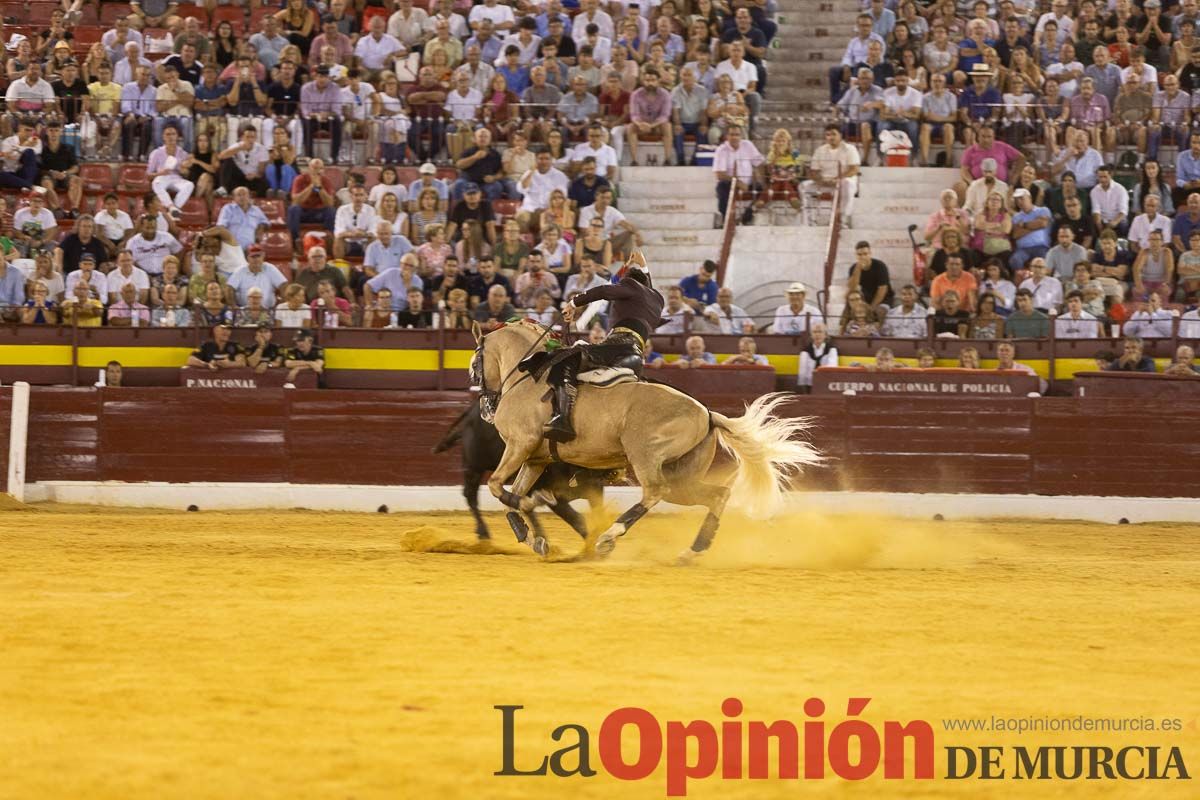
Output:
(633, 305)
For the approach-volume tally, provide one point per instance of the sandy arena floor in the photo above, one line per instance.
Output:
(312, 655)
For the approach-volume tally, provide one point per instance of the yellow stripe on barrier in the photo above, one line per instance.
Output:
(35, 355)
(458, 359)
(161, 357)
(393, 360)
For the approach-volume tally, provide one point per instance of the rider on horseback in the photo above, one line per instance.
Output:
(636, 309)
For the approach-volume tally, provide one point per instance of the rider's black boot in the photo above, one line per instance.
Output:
(559, 428)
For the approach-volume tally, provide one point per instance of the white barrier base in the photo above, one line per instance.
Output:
(226, 496)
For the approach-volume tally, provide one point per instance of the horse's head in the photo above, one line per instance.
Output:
(496, 355)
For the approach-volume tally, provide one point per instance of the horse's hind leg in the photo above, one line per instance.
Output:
(471, 480)
(650, 476)
(712, 495)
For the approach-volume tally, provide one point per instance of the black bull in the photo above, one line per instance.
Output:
(482, 448)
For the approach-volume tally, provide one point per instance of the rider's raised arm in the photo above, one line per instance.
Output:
(609, 291)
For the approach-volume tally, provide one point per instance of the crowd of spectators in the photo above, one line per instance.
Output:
(496, 132)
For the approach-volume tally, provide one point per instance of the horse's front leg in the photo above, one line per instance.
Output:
(527, 476)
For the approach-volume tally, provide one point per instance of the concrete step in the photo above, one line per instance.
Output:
(910, 175)
(693, 188)
(669, 205)
(668, 272)
(707, 236)
(672, 174)
(674, 222)
(695, 253)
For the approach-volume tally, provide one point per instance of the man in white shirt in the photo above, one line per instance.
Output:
(1150, 220)
(462, 104)
(353, 225)
(1110, 202)
(1046, 289)
(34, 226)
(536, 186)
(589, 12)
(981, 188)
(731, 319)
(606, 157)
(792, 318)
(827, 160)
(745, 79)
(20, 153)
(407, 23)
(257, 274)
(738, 163)
(30, 94)
(244, 164)
(125, 272)
(1076, 323)
(500, 15)
(623, 233)
(151, 246)
(907, 320)
(1152, 321)
(376, 50)
(675, 312)
(902, 108)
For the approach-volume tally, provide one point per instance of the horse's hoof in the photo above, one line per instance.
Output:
(605, 544)
(541, 546)
(482, 533)
(687, 558)
(520, 529)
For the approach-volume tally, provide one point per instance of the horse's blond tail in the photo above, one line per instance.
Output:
(767, 449)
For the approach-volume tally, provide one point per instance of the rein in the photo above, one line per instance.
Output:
(491, 398)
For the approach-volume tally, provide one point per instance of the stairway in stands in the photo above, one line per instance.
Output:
(889, 200)
(764, 260)
(812, 35)
(674, 209)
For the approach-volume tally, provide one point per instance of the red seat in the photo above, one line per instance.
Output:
(503, 209)
(96, 177)
(256, 16)
(406, 175)
(337, 176)
(110, 11)
(277, 247)
(195, 214)
(448, 174)
(218, 204)
(275, 212)
(371, 174)
(373, 11)
(87, 34)
(132, 179)
(231, 14)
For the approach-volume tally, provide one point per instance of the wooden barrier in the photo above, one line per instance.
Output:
(1159, 388)
(913, 444)
(907, 381)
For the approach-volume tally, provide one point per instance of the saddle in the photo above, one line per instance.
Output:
(604, 377)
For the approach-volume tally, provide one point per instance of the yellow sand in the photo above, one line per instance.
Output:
(312, 655)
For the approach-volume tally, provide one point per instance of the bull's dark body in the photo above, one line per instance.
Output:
(482, 448)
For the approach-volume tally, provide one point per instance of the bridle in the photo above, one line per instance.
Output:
(489, 400)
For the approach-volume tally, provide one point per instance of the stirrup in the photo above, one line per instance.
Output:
(558, 430)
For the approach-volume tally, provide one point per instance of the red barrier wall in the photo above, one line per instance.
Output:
(1017, 445)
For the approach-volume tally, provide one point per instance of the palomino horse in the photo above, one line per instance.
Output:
(667, 438)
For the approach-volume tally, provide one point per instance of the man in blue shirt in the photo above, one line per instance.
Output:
(1187, 172)
(398, 280)
(700, 290)
(979, 103)
(386, 250)
(1031, 230)
(242, 218)
(12, 291)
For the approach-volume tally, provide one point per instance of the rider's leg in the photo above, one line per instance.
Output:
(559, 428)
